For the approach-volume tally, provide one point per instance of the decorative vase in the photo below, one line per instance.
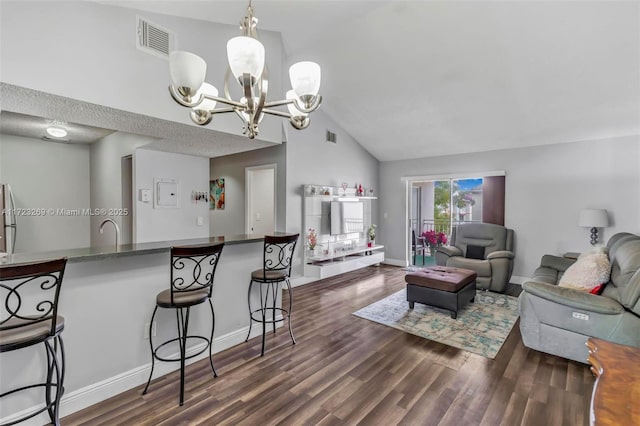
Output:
(371, 243)
(432, 250)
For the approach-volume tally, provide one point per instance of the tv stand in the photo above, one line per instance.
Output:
(328, 265)
(335, 254)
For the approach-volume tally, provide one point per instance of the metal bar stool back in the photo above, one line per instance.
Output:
(192, 271)
(276, 269)
(29, 316)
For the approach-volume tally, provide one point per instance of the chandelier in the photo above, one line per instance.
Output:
(246, 56)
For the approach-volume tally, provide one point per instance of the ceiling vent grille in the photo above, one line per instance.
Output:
(154, 39)
(332, 137)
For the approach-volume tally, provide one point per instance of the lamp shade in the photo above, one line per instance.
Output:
(187, 69)
(305, 78)
(295, 112)
(593, 218)
(206, 104)
(245, 55)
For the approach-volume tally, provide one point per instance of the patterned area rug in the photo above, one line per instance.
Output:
(481, 327)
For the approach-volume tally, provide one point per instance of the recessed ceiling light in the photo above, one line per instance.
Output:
(56, 132)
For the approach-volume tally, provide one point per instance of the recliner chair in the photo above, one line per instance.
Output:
(559, 320)
(484, 248)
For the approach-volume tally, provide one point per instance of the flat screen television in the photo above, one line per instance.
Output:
(347, 217)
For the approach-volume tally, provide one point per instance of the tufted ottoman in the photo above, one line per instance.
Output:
(442, 287)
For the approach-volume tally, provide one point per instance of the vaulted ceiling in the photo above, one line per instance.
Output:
(411, 79)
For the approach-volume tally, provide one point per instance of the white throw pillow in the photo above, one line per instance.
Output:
(589, 271)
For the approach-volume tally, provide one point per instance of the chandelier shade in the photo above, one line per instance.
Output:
(295, 112)
(187, 70)
(207, 103)
(305, 78)
(246, 56)
(246, 62)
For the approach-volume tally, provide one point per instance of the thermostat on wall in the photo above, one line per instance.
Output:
(167, 193)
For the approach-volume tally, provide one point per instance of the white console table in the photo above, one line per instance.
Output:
(328, 265)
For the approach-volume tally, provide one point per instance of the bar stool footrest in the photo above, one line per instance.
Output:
(285, 315)
(158, 357)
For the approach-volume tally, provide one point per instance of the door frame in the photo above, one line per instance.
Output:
(248, 182)
(408, 181)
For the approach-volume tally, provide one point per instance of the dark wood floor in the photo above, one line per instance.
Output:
(347, 370)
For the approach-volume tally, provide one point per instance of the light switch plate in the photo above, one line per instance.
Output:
(145, 195)
(199, 221)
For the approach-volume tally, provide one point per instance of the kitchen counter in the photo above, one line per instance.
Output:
(107, 298)
(105, 252)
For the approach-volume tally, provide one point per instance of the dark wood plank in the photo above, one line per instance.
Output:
(347, 370)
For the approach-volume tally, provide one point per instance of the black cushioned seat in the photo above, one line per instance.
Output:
(261, 274)
(27, 333)
(181, 299)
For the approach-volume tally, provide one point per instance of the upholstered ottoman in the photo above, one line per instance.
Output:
(441, 287)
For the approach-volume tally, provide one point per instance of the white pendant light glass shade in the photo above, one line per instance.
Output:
(187, 69)
(305, 78)
(206, 104)
(295, 112)
(245, 55)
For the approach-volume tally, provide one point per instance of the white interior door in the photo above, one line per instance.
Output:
(261, 199)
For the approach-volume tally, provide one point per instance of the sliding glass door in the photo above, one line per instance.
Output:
(440, 205)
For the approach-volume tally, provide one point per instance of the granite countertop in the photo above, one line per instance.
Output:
(108, 252)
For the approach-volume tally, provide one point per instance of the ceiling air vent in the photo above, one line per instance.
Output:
(154, 39)
(331, 137)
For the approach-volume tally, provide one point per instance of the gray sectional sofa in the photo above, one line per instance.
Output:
(559, 320)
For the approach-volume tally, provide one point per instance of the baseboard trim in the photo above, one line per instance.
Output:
(395, 262)
(100, 391)
(298, 281)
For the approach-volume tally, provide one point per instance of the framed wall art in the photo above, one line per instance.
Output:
(216, 194)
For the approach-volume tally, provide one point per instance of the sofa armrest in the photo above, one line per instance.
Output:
(449, 250)
(573, 298)
(556, 262)
(501, 254)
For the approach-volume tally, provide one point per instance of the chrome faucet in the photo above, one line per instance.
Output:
(115, 225)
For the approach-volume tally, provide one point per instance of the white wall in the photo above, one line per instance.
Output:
(312, 160)
(231, 220)
(46, 174)
(164, 224)
(546, 187)
(106, 182)
(87, 51)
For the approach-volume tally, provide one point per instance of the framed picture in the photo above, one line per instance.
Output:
(216, 194)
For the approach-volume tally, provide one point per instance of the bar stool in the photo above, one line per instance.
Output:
(29, 316)
(278, 252)
(192, 271)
